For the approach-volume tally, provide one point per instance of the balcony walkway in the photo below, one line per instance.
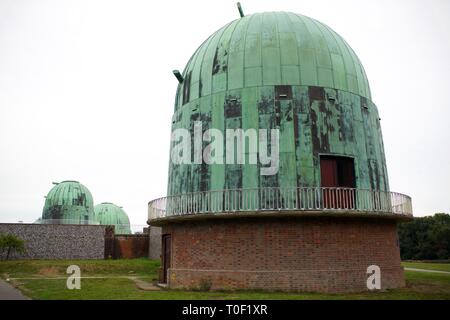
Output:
(279, 202)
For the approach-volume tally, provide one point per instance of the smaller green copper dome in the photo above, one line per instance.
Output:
(109, 214)
(68, 202)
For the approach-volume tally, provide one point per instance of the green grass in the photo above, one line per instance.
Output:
(116, 285)
(48, 268)
(428, 266)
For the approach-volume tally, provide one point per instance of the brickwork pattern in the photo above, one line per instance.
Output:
(303, 254)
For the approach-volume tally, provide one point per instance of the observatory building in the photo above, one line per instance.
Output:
(68, 202)
(305, 208)
(109, 214)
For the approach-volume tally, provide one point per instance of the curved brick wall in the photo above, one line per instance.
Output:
(298, 254)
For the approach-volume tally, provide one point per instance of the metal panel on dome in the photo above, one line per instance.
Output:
(281, 42)
(233, 80)
(107, 213)
(68, 202)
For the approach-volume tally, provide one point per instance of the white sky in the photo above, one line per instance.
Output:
(86, 92)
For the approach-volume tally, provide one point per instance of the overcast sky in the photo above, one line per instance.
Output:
(86, 92)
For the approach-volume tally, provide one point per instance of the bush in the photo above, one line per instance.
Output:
(205, 285)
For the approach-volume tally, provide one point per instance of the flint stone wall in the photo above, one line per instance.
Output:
(57, 241)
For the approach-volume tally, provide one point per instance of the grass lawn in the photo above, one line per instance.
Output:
(427, 266)
(46, 283)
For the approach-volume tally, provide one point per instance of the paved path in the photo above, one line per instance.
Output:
(144, 285)
(8, 292)
(426, 270)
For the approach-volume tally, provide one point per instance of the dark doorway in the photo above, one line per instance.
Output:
(166, 255)
(338, 182)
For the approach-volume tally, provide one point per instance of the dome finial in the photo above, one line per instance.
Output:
(240, 9)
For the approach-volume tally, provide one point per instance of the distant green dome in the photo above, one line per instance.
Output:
(108, 213)
(68, 202)
(272, 48)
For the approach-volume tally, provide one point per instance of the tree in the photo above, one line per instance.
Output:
(425, 238)
(11, 243)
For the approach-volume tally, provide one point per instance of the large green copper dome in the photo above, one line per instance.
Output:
(287, 72)
(109, 214)
(68, 202)
(272, 48)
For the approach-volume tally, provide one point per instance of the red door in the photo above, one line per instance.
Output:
(328, 172)
(337, 174)
(329, 179)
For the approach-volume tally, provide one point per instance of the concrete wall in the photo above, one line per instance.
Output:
(53, 241)
(155, 243)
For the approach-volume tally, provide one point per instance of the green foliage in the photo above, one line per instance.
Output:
(135, 267)
(425, 238)
(205, 285)
(11, 243)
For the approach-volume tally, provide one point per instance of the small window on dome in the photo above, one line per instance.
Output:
(187, 88)
(283, 92)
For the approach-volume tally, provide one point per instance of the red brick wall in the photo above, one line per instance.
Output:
(131, 246)
(300, 254)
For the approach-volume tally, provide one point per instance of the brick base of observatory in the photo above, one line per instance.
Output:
(290, 254)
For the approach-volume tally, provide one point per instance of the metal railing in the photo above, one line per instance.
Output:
(280, 199)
